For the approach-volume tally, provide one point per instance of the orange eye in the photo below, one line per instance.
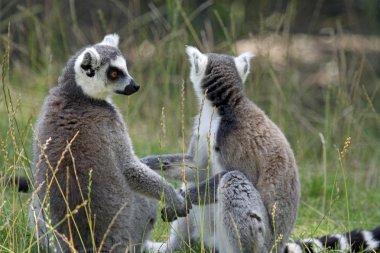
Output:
(114, 74)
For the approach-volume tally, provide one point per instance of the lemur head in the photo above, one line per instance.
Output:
(101, 70)
(205, 66)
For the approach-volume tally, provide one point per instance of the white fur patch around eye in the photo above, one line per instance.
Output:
(242, 63)
(111, 40)
(119, 63)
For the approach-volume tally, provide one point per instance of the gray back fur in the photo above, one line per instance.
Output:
(248, 141)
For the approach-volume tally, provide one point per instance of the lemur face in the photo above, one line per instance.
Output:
(101, 70)
(202, 64)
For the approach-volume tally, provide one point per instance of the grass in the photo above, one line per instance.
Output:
(339, 192)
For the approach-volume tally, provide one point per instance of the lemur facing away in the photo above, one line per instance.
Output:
(92, 192)
(258, 170)
(253, 189)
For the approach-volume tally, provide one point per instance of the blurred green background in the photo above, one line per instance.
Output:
(316, 74)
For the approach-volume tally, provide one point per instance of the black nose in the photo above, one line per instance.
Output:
(135, 85)
(131, 88)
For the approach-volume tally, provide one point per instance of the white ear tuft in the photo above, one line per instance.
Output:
(197, 60)
(247, 55)
(190, 50)
(111, 40)
(242, 63)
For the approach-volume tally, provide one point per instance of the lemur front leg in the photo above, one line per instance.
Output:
(147, 182)
(171, 165)
(203, 193)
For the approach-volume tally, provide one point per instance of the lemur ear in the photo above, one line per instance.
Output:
(242, 63)
(197, 60)
(111, 40)
(89, 61)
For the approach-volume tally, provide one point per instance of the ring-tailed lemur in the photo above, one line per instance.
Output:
(91, 189)
(253, 190)
(261, 172)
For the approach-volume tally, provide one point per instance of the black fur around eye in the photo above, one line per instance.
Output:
(114, 73)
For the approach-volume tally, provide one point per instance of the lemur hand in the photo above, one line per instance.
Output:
(169, 161)
(175, 209)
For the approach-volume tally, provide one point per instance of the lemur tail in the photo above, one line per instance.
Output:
(22, 183)
(354, 241)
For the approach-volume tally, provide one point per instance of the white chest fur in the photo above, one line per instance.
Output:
(206, 130)
(204, 217)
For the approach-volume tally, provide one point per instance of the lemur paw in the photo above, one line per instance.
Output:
(171, 213)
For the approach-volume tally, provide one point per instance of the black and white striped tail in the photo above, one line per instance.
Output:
(354, 241)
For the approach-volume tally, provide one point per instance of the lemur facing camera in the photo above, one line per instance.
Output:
(91, 191)
(252, 192)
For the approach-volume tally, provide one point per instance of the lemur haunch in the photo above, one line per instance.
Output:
(92, 192)
(252, 170)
